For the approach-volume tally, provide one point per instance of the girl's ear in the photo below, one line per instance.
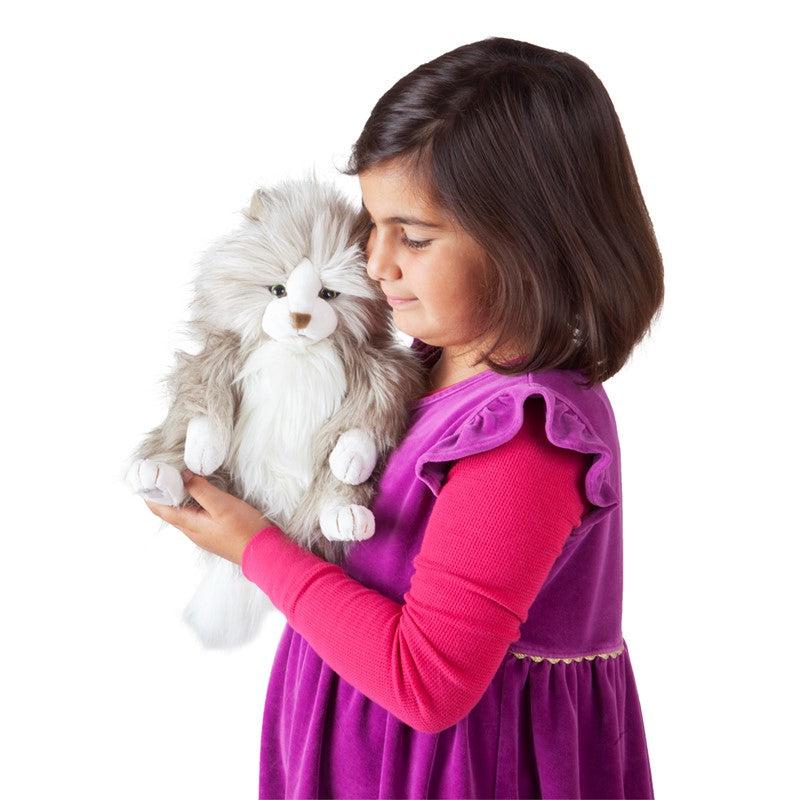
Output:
(258, 203)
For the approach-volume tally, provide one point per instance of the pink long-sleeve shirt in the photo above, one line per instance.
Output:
(498, 524)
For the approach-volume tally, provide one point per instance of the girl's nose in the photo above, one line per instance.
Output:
(381, 264)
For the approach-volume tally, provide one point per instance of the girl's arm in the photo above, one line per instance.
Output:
(497, 526)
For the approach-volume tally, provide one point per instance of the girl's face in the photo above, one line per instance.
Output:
(416, 251)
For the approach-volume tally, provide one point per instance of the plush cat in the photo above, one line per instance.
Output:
(297, 395)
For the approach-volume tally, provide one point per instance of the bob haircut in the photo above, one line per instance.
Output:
(522, 147)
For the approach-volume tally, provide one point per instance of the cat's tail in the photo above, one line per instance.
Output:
(227, 609)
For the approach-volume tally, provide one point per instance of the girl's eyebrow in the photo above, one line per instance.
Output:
(406, 220)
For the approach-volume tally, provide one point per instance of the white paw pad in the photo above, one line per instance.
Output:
(354, 456)
(204, 450)
(156, 481)
(350, 523)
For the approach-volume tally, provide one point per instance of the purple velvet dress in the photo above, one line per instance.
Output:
(561, 718)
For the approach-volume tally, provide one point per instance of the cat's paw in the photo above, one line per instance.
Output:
(204, 450)
(354, 456)
(156, 481)
(350, 523)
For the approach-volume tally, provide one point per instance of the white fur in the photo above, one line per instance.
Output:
(226, 609)
(288, 392)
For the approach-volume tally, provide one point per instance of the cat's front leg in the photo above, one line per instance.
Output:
(353, 458)
(206, 446)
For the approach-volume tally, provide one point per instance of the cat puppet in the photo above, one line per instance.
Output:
(297, 395)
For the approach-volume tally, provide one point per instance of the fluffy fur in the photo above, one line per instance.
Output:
(295, 398)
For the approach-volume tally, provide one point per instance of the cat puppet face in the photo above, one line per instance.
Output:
(294, 270)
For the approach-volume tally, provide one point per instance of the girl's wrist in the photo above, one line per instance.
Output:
(269, 529)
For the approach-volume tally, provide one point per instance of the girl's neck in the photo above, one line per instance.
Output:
(448, 370)
(454, 364)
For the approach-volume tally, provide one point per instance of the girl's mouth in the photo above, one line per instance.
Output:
(396, 302)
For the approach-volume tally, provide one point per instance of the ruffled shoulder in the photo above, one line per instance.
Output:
(498, 418)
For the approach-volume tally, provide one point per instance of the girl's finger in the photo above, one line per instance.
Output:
(179, 516)
(194, 523)
(201, 526)
(213, 500)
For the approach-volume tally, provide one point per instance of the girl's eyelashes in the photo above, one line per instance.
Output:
(414, 244)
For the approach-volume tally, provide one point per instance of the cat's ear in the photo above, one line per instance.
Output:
(258, 204)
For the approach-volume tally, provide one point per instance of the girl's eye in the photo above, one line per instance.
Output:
(415, 243)
(278, 289)
(328, 294)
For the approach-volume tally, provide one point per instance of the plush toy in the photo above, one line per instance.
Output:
(297, 395)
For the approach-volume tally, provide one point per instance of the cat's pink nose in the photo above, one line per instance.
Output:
(299, 321)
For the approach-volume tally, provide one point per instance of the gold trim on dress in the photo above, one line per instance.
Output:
(611, 654)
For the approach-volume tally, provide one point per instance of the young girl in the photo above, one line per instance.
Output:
(472, 648)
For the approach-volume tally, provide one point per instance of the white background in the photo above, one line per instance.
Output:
(134, 133)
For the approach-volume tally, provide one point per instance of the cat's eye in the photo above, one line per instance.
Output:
(279, 290)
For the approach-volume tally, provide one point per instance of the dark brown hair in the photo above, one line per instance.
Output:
(521, 145)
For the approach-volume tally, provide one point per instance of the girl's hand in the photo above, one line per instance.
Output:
(223, 526)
